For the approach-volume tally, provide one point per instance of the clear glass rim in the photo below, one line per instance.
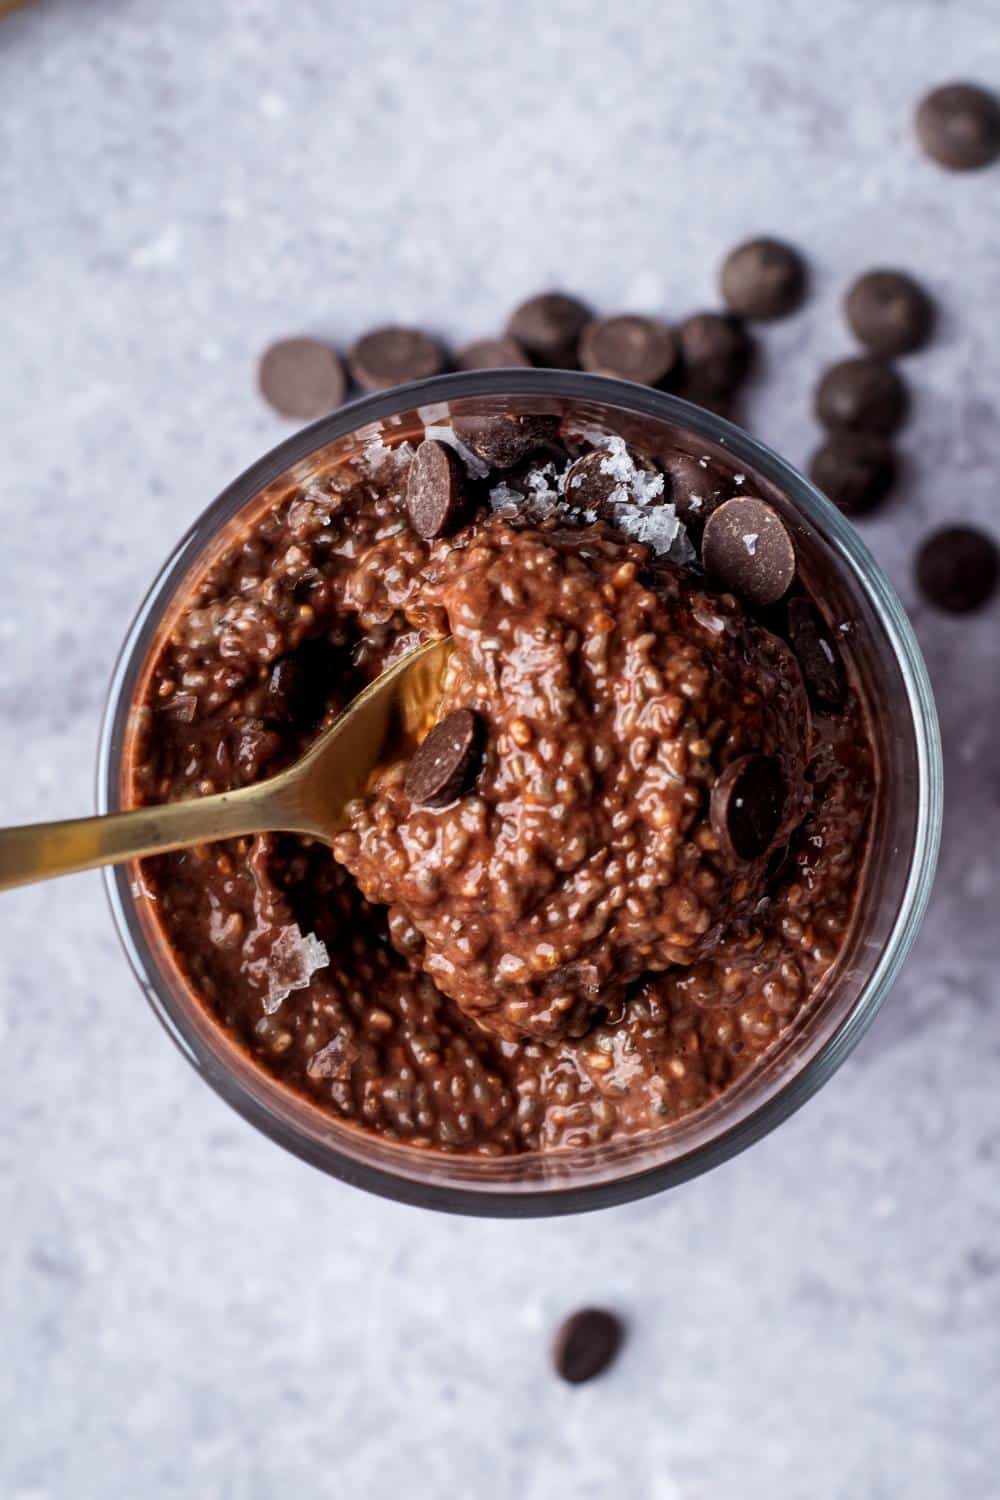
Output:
(634, 399)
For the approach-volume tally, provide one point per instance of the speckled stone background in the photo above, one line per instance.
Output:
(186, 1311)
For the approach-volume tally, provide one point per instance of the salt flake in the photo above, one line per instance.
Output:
(750, 541)
(293, 960)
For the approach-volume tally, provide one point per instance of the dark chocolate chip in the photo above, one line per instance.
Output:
(747, 804)
(548, 327)
(855, 470)
(392, 356)
(491, 354)
(586, 1344)
(889, 312)
(301, 378)
(435, 490)
(763, 279)
(957, 568)
(747, 548)
(502, 441)
(958, 125)
(301, 685)
(629, 347)
(861, 395)
(697, 487)
(589, 482)
(447, 761)
(822, 667)
(716, 350)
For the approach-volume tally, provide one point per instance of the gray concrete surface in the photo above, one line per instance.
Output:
(185, 1310)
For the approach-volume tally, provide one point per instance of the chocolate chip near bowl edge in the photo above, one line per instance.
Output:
(301, 378)
(716, 351)
(889, 312)
(629, 347)
(747, 548)
(697, 487)
(854, 470)
(747, 805)
(586, 1344)
(392, 356)
(548, 326)
(504, 439)
(958, 125)
(763, 279)
(957, 567)
(445, 763)
(594, 477)
(435, 490)
(822, 667)
(862, 394)
(491, 354)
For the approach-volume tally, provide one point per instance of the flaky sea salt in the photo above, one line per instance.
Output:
(826, 649)
(293, 960)
(377, 456)
(473, 463)
(640, 486)
(750, 541)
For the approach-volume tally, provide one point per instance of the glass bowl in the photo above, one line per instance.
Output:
(896, 882)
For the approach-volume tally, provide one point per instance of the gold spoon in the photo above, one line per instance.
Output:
(309, 797)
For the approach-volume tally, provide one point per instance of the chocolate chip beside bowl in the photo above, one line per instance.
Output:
(629, 347)
(818, 657)
(548, 327)
(301, 378)
(958, 125)
(763, 279)
(392, 356)
(861, 395)
(447, 760)
(491, 354)
(889, 312)
(435, 490)
(747, 548)
(855, 470)
(503, 440)
(957, 568)
(716, 349)
(586, 1344)
(747, 804)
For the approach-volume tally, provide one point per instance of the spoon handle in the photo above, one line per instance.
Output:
(39, 851)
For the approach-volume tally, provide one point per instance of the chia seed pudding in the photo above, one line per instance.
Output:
(650, 869)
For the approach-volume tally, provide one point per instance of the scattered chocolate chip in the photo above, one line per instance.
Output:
(697, 487)
(957, 568)
(855, 470)
(861, 395)
(447, 760)
(435, 490)
(503, 440)
(958, 125)
(822, 667)
(548, 327)
(889, 312)
(392, 356)
(591, 481)
(491, 354)
(763, 279)
(586, 1344)
(716, 350)
(629, 347)
(301, 685)
(747, 549)
(747, 804)
(301, 378)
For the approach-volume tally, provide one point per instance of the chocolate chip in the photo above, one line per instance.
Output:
(435, 490)
(301, 685)
(747, 804)
(716, 352)
(958, 125)
(446, 763)
(957, 568)
(822, 668)
(591, 481)
(491, 354)
(548, 327)
(697, 487)
(392, 356)
(861, 395)
(855, 470)
(763, 279)
(502, 441)
(889, 312)
(629, 347)
(747, 548)
(301, 378)
(586, 1344)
